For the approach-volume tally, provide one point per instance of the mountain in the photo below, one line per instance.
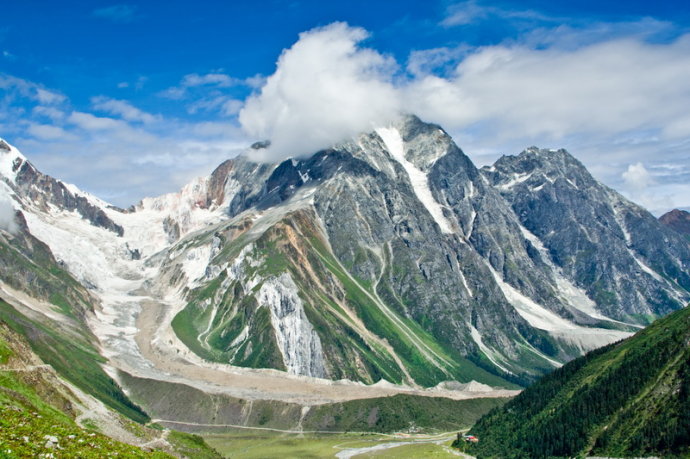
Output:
(679, 220)
(629, 399)
(387, 264)
(613, 249)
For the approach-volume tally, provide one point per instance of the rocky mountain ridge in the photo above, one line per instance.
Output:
(677, 219)
(388, 257)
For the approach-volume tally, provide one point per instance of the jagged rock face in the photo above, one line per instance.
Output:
(392, 256)
(42, 190)
(627, 262)
(415, 243)
(679, 220)
(298, 342)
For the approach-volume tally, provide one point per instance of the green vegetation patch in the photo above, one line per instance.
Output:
(29, 431)
(626, 399)
(399, 413)
(76, 360)
(29, 427)
(247, 444)
(190, 445)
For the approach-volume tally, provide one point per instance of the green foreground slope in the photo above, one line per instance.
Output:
(627, 399)
(38, 415)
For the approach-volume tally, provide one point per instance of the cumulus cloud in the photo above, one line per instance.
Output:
(7, 222)
(601, 88)
(325, 88)
(637, 177)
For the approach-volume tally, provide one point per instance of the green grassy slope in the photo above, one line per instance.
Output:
(223, 322)
(399, 413)
(73, 358)
(37, 415)
(627, 399)
(27, 265)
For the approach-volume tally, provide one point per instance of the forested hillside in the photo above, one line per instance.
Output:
(627, 399)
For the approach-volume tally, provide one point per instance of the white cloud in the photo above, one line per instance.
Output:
(429, 61)
(325, 89)
(637, 177)
(18, 87)
(218, 79)
(49, 112)
(193, 80)
(226, 105)
(232, 107)
(91, 122)
(464, 13)
(48, 97)
(604, 88)
(469, 12)
(49, 132)
(123, 109)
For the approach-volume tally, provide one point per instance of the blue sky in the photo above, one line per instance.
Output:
(136, 98)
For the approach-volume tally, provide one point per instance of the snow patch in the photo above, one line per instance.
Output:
(464, 283)
(488, 352)
(574, 295)
(517, 178)
(8, 158)
(620, 219)
(587, 339)
(195, 262)
(420, 182)
(537, 316)
(584, 338)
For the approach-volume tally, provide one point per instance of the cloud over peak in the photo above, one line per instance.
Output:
(326, 88)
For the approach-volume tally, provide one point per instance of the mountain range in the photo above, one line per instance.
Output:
(386, 264)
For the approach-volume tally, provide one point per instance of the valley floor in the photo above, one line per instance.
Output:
(258, 444)
(164, 358)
